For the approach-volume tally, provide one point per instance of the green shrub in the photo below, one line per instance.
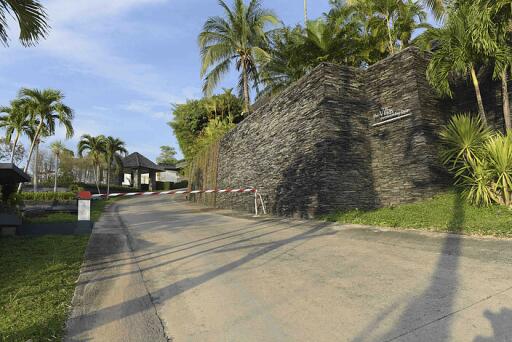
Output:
(179, 185)
(48, 196)
(480, 160)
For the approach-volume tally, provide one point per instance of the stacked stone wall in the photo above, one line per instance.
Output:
(342, 138)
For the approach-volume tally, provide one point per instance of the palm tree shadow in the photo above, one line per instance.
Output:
(501, 323)
(435, 303)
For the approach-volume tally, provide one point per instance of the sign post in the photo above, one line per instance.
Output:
(84, 225)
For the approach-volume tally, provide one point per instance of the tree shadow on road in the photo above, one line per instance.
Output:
(435, 304)
(131, 307)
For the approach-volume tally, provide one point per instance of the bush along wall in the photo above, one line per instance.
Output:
(48, 196)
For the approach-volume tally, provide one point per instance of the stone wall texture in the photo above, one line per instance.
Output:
(320, 146)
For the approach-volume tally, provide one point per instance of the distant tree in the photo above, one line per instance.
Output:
(58, 149)
(47, 109)
(167, 156)
(31, 18)
(7, 149)
(16, 121)
(114, 150)
(95, 146)
(239, 36)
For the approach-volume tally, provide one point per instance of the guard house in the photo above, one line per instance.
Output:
(136, 167)
(10, 176)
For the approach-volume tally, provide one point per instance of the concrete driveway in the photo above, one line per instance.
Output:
(159, 269)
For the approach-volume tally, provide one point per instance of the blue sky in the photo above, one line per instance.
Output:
(122, 63)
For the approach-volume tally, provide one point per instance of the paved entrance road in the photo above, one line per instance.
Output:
(215, 277)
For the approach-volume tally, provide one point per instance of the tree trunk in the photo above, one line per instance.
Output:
(14, 146)
(390, 37)
(506, 100)
(480, 102)
(98, 179)
(36, 137)
(305, 13)
(108, 181)
(247, 100)
(56, 172)
(36, 166)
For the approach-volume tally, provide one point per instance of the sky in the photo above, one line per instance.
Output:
(122, 63)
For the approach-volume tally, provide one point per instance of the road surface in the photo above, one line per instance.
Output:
(159, 269)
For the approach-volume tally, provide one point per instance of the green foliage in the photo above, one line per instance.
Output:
(193, 117)
(480, 160)
(48, 196)
(30, 16)
(215, 130)
(240, 37)
(465, 41)
(355, 33)
(37, 284)
(167, 156)
(444, 212)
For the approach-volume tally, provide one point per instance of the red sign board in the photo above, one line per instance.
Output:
(86, 195)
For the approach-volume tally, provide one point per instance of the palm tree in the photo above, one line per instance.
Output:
(239, 36)
(502, 17)
(114, 148)
(58, 149)
(31, 18)
(46, 107)
(17, 122)
(96, 149)
(464, 42)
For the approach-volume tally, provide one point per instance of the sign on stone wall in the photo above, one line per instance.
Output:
(387, 115)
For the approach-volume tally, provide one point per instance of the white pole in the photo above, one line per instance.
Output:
(256, 202)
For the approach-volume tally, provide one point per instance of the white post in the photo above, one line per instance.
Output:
(84, 225)
(256, 202)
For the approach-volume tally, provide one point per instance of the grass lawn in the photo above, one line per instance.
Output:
(97, 208)
(37, 281)
(445, 213)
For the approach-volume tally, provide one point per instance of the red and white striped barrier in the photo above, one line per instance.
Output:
(186, 192)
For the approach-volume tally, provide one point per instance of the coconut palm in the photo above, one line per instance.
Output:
(47, 109)
(31, 18)
(95, 147)
(16, 122)
(464, 42)
(114, 148)
(58, 149)
(238, 37)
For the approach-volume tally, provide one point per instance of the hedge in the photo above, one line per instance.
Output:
(48, 196)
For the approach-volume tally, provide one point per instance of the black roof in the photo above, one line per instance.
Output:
(11, 174)
(137, 161)
(170, 167)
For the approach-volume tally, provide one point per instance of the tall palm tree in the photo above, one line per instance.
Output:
(114, 148)
(464, 42)
(95, 146)
(31, 18)
(46, 108)
(502, 17)
(17, 122)
(239, 36)
(58, 148)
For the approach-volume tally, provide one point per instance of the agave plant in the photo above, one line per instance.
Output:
(463, 139)
(480, 160)
(498, 152)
